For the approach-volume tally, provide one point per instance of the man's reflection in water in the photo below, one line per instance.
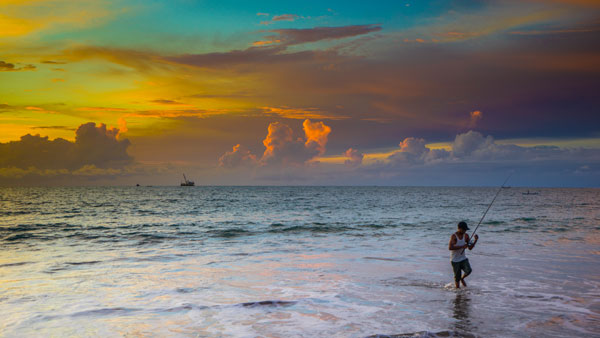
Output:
(462, 313)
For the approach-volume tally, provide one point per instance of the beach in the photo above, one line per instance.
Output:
(296, 262)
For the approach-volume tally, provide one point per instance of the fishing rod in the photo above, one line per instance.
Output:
(488, 209)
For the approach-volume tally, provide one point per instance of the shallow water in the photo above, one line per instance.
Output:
(295, 262)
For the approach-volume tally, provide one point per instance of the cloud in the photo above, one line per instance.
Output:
(6, 107)
(166, 102)
(94, 145)
(54, 127)
(267, 55)
(300, 113)
(316, 135)
(294, 36)
(10, 67)
(52, 62)
(273, 49)
(285, 17)
(473, 147)
(239, 156)
(137, 59)
(584, 3)
(413, 151)
(467, 146)
(265, 42)
(475, 116)
(471, 142)
(122, 126)
(282, 17)
(555, 31)
(282, 148)
(414, 146)
(354, 157)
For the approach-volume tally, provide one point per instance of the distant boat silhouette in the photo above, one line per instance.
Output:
(530, 193)
(186, 183)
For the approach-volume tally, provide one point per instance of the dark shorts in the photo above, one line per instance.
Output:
(462, 265)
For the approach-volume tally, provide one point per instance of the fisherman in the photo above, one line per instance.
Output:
(459, 241)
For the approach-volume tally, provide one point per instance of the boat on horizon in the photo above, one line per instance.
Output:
(186, 182)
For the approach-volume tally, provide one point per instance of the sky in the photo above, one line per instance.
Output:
(125, 92)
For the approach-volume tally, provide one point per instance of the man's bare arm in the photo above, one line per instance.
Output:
(472, 244)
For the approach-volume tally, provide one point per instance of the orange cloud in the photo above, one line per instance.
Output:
(122, 126)
(281, 147)
(316, 133)
(278, 136)
(475, 116)
(265, 42)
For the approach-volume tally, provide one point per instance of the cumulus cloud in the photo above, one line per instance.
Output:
(316, 135)
(473, 147)
(282, 147)
(122, 126)
(239, 156)
(94, 145)
(414, 146)
(413, 151)
(471, 142)
(354, 157)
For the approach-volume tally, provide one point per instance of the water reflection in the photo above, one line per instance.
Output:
(462, 312)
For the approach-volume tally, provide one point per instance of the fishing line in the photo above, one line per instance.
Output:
(488, 209)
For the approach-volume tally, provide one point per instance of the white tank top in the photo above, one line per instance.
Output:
(459, 255)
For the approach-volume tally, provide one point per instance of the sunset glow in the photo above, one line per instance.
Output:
(277, 93)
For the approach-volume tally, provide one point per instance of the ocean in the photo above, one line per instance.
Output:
(296, 262)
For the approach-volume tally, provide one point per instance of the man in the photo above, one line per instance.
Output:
(459, 241)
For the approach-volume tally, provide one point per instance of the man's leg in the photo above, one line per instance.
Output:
(457, 273)
(467, 268)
